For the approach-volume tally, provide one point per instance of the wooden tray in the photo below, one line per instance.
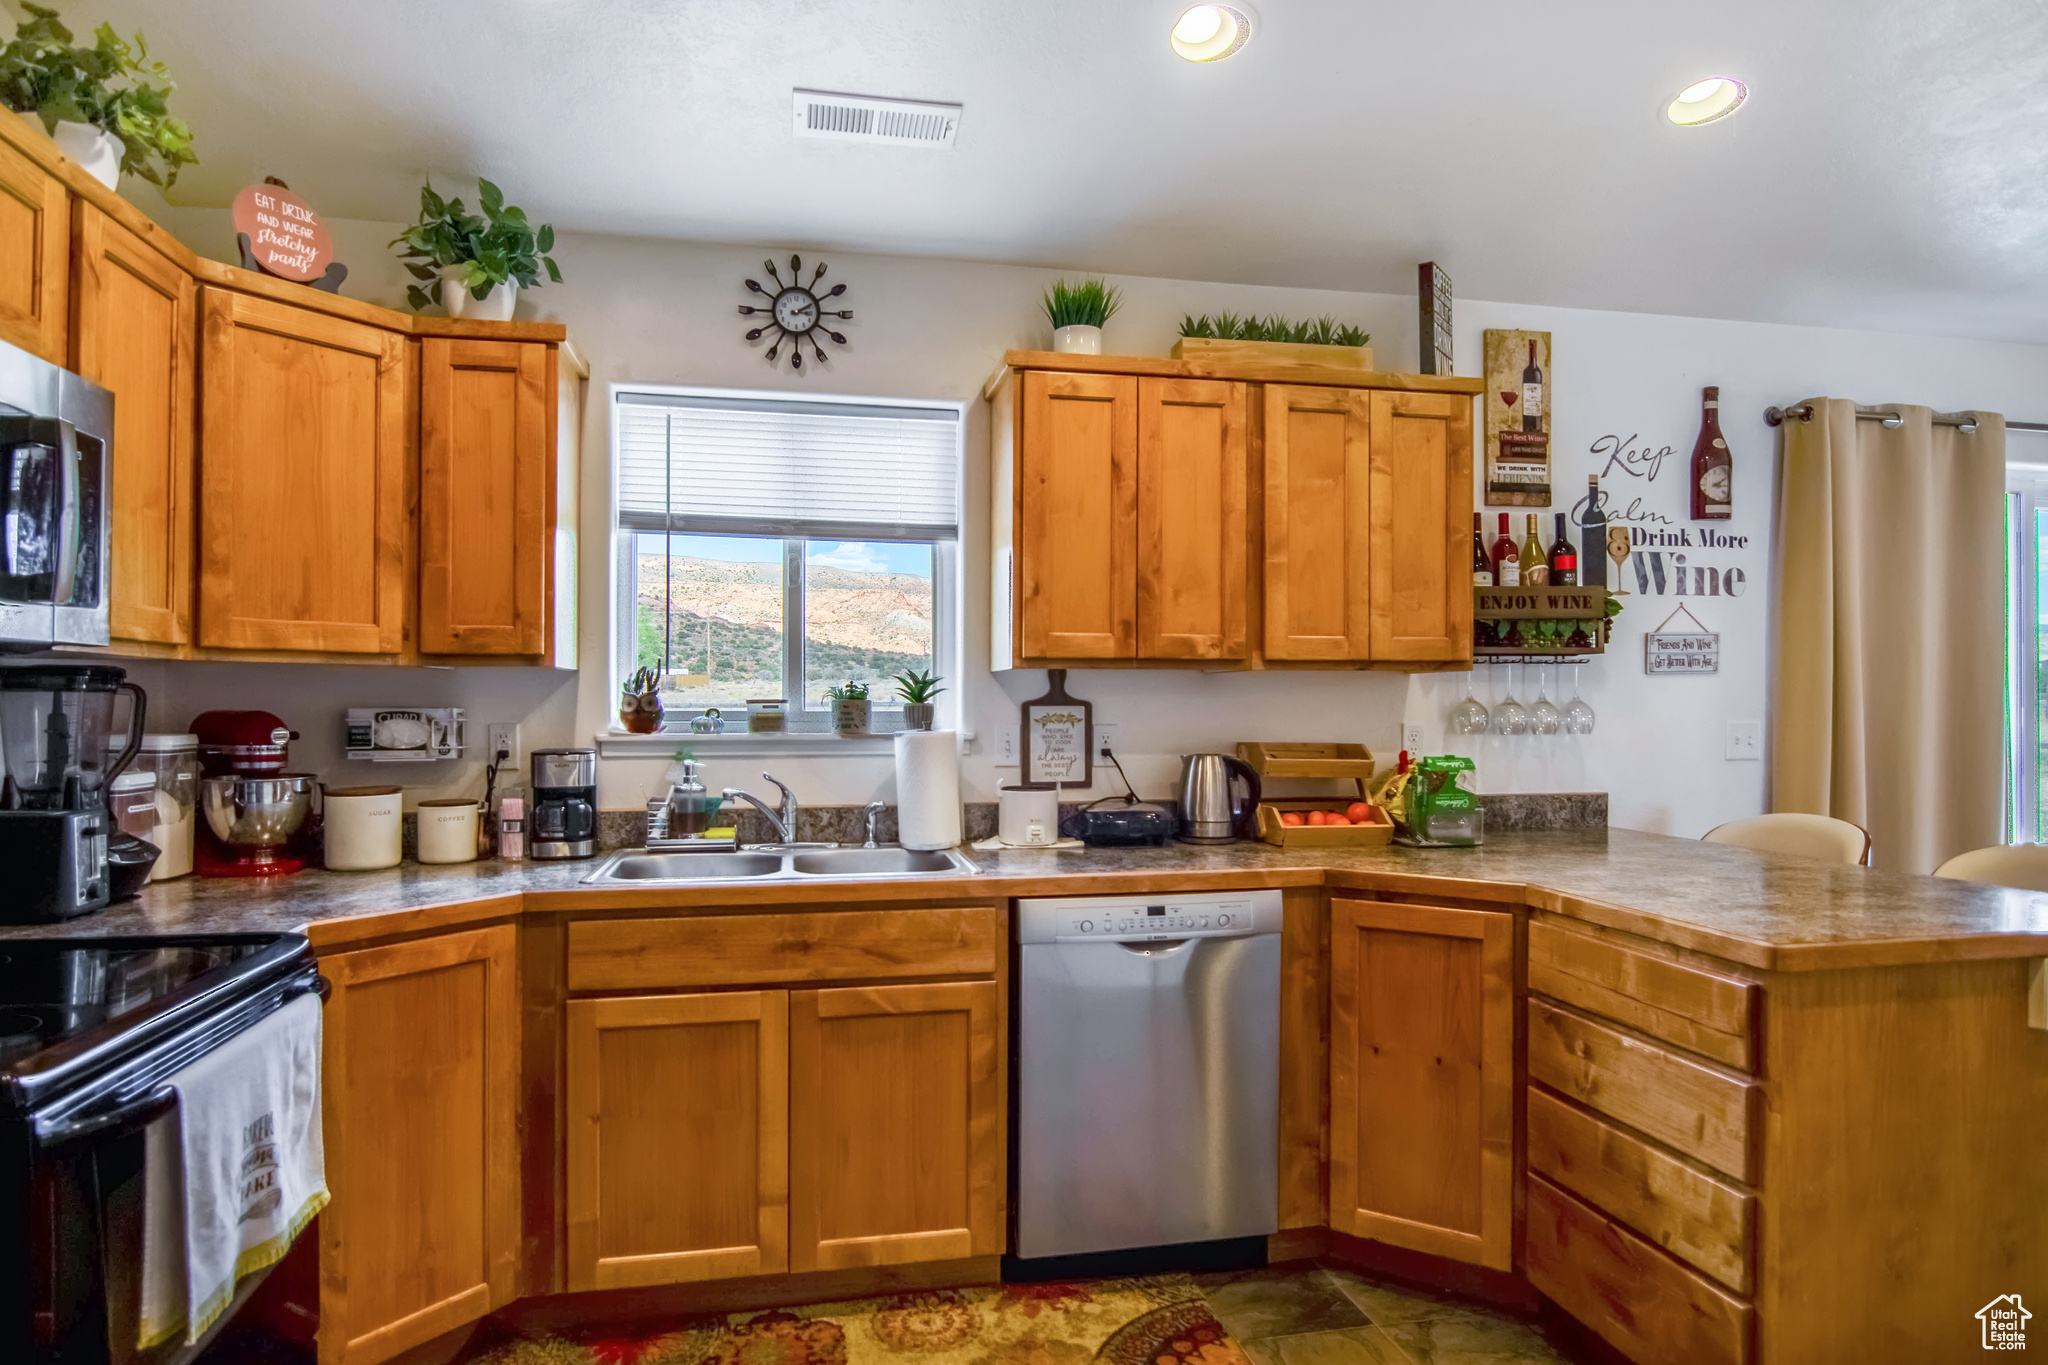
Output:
(1381, 831)
(1235, 351)
(1339, 762)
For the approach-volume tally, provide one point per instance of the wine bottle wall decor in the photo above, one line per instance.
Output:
(1518, 412)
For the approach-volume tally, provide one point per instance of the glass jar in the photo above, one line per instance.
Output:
(173, 762)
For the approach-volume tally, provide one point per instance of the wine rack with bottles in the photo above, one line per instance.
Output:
(1539, 623)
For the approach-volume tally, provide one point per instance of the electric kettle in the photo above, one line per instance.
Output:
(1208, 814)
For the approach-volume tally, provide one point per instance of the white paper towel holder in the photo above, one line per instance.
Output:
(928, 789)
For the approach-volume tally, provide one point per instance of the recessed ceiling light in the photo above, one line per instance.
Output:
(1209, 33)
(1704, 101)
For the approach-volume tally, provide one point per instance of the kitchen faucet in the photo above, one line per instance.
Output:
(784, 821)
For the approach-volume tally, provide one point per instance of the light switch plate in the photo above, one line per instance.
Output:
(1745, 741)
(1006, 746)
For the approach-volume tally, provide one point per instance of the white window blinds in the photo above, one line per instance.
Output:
(749, 465)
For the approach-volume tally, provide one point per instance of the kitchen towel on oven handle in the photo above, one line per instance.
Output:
(234, 1174)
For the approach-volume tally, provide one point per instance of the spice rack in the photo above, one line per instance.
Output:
(1513, 625)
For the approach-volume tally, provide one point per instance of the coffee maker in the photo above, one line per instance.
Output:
(253, 808)
(54, 825)
(564, 804)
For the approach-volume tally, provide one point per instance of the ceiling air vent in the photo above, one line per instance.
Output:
(862, 118)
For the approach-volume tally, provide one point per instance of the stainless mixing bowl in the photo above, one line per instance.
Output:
(255, 812)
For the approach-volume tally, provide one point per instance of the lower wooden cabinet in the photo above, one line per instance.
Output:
(421, 1117)
(1422, 1078)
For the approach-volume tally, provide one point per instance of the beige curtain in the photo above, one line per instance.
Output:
(1888, 695)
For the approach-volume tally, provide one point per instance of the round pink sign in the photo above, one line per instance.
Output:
(285, 236)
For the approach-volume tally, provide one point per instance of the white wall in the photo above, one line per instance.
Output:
(665, 312)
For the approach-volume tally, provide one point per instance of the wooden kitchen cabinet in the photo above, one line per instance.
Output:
(1318, 569)
(1419, 578)
(303, 479)
(486, 476)
(1422, 1078)
(133, 331)
(896, 1143)
(1077, 532)
(1191, 515)
(420, 1094)
(678, 1138)
(35, 236)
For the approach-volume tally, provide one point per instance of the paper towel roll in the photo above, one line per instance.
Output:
(928, 789)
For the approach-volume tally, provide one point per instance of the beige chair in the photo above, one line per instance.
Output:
(1810, 836)
(2021, 865)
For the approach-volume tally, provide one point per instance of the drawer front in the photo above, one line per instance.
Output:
(767, 949)
(1703, 1221)
(1644, 1304)
(1703, 1112)
(1709, 1014)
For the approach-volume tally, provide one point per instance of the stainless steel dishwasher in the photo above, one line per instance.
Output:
(1148, 1063)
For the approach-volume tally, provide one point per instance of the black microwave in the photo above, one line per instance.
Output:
(56, 454)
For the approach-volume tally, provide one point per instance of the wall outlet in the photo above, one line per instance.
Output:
(506, 738)
(1006, 746)
(1745, 740)
(1105, 743)
(1411, 740)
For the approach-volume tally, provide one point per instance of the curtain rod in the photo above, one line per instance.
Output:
(1966, 422)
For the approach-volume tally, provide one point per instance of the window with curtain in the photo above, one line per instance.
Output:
(772, 546)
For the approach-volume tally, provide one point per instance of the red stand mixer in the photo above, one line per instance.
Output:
(253, 807)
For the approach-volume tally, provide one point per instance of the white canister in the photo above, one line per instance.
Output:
(363, 828)
(448, 831)
(1028, 814)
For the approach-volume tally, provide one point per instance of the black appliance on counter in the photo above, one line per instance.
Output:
(54, 823)
(91, 1031)
(56, 448)
(564, 821)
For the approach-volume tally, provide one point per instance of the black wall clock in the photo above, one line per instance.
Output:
(796, 312)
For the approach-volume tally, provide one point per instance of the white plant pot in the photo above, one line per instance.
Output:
(1079, 339)
(97, 152)
(494, 307)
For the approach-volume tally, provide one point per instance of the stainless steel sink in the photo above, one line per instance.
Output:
(638, 867)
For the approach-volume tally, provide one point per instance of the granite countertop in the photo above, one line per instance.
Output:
(1770, 911)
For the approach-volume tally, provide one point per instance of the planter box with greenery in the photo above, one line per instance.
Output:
(1254, 340)
(475, 265)
(104, 106)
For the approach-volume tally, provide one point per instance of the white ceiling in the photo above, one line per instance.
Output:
(1890, 170)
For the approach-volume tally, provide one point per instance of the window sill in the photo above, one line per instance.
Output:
(824, 744)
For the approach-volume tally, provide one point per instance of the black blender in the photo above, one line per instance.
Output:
(54, 825)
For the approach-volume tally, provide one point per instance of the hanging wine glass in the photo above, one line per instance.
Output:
(1543, 716)
(1508, 717)
(1578, 717)
(1468, 717)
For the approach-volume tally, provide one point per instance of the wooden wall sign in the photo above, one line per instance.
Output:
(1518, 411)
(1667, 652)
(1058, 736)
(1433, 287)
(279, 234)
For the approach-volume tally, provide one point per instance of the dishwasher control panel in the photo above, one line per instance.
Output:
(1223, 914)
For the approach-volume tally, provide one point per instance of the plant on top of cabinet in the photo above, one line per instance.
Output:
(1078, 312)
(486, 259)
(849, 708)
(97, 102)
(1322, 331)
(917, 688)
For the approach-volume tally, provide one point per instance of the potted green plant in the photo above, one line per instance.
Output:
(849, 709)
(475, 264)
(640, 702)
(104, 105)
(1077, 313)
(917, 688)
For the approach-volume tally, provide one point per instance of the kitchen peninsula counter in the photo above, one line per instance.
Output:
(1774, 912)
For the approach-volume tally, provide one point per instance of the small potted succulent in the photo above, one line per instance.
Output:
(849, 709)
(474, 266)
(640, 702)
(1077, 313)
(917, 688)
(104, 105)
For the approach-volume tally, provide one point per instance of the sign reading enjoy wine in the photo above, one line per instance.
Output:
(284, 237)
(1518, 407)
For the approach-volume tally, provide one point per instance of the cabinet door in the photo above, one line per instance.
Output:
(1318, 500)
(484, 474)
(302, 468)
(35, 235)
(133, 332)
(1191, 496)
(678, 1142)
(1421, 573)
(1077, 491)
(1422, 1038)
(420, 1088)
(896, 1125)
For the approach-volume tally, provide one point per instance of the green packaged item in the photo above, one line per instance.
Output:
(1440, 806)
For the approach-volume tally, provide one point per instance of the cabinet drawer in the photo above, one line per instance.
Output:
(1700, 1220)
(1702, 1111)
(759, 950)
(1707, 1013)
(1646, 1305)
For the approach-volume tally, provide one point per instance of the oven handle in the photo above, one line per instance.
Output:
(135, 1114)
(319, 986)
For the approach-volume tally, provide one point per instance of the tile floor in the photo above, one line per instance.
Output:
(1305, 1314)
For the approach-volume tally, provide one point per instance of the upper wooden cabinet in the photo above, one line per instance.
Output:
(35, 231)
(486, 481)
(1191, 512)
(133, 331)
(303, 480)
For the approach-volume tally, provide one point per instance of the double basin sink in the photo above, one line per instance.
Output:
(639, 867)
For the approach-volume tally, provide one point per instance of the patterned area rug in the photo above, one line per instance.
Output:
(1157, 1320)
